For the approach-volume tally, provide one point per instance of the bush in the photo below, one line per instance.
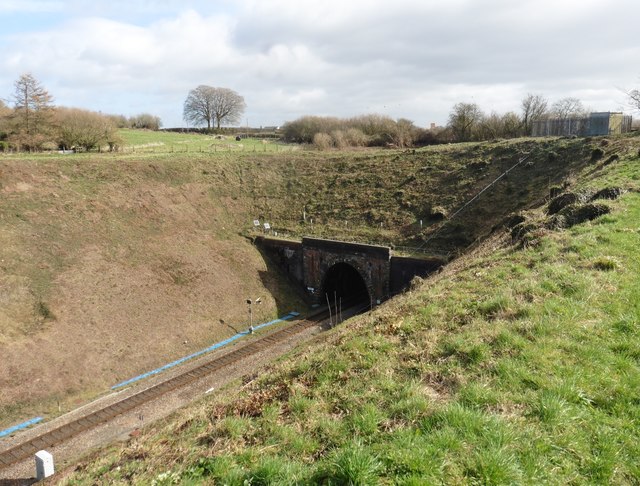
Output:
(338, 138)
(83, 129)
(366, 130)
(356, 138)
(145, 120)
(322, 141)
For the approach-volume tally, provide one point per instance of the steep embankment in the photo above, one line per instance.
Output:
(112, 265)
(513, 365)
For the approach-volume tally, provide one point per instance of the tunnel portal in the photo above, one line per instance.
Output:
(344, 283)
(340, 268)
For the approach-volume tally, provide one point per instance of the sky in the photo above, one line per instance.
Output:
(410, 59)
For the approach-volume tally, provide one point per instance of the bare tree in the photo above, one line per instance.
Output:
(32, 111)
(206, 104)
(534, 108)
(403, 133)
(568, 108)
(491, 126)
(634, 97)
(511, 127)
(463, 119)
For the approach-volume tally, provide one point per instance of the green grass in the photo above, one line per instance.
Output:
(149, 141)
(512, 367)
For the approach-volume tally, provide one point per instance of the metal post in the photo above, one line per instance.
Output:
(250, 303)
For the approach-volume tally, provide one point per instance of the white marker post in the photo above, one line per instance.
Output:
(44, 465)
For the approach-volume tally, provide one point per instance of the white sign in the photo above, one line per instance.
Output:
(256, 222)
(267, 226)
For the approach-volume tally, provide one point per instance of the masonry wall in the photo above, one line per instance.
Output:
(286, 254)
(308, 262)
(403, 269)
(371, 261)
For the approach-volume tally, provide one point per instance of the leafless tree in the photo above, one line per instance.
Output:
(403, 133)
(568, 108)
(206, 104)
(463, 119)
(32, 113)
(534, 107)
(634, 97)
(511, 127)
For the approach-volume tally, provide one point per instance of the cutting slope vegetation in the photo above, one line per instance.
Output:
(518, 363)
(114, 264)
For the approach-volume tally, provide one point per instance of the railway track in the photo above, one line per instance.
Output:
(103, 415)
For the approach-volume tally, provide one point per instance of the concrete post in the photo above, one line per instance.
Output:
(44, 465)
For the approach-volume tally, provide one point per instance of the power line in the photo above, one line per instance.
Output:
(473, 199)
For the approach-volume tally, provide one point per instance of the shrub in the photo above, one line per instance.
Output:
(338, 138)
(322, 141)
(84, 129)
(356, 138)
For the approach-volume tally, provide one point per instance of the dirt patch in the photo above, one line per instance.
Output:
(107, 272)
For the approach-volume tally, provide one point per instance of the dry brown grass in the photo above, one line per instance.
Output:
(109, 269)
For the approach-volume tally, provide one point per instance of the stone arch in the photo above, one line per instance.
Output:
(344, 280)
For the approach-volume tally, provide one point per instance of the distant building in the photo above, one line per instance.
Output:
(598, 123)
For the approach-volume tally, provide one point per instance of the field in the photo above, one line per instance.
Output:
(512, 366)
(145, 141)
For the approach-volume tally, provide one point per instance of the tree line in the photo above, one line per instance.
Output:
(466, 122)
(361, 131)
(31, 122)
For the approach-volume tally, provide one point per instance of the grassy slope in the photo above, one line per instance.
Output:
(511, 366)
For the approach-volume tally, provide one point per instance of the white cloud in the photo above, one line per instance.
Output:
(30, 6)
(407, 58)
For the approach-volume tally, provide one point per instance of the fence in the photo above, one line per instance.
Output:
(596, 124)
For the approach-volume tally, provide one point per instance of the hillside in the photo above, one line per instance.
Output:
(516, 364)
(113, 264)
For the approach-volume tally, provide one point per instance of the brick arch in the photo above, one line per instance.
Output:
(371, 262)
(356, 266)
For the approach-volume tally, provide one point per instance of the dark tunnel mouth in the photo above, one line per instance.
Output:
(343, 283)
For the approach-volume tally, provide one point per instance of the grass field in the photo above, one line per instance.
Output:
(136, 141)
(512, 366)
